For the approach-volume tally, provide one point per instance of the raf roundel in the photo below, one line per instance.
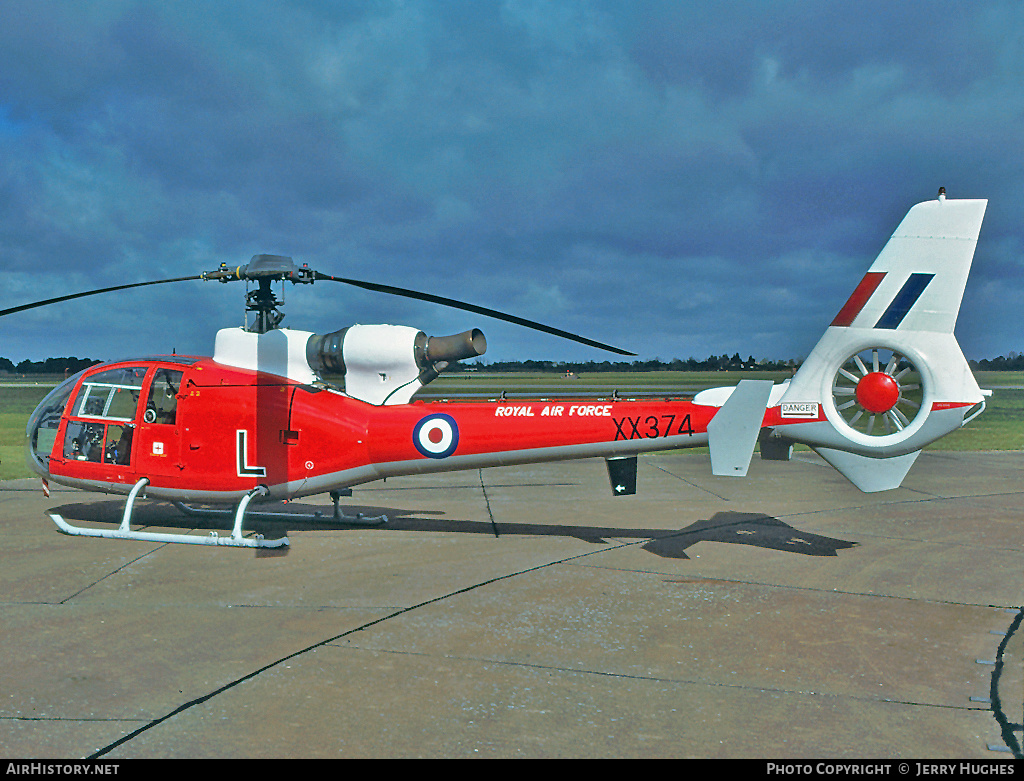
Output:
(436, 436)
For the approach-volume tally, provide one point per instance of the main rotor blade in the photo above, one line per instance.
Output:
(397, 291)
(57, 300)
(480, 310)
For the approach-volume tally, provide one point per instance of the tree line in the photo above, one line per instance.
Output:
(66, 366)
(711, 363)
(1012, 362)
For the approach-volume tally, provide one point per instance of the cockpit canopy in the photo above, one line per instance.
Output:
(103, 412)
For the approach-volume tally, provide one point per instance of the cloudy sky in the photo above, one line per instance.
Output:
(676, 178)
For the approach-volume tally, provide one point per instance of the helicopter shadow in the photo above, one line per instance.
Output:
(737, 528)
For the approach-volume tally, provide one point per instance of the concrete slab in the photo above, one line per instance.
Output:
(525, 612)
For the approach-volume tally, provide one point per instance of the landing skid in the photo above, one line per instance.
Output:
(359, 519)
(125, 532)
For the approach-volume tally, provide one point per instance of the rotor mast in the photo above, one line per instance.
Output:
(264, 270)
(264, 303)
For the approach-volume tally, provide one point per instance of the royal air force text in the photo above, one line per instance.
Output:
(626, 427)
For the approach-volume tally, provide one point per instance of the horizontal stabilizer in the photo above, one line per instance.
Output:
(732, 432)
(869, 474)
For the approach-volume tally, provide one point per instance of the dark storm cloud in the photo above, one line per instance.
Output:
(679, 178)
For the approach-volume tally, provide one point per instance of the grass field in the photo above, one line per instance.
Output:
(16, 404)
(1000, 427)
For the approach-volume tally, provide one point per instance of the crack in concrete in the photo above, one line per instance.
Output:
(295, 654)
(1006, 726)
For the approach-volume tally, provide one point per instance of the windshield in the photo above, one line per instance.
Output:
(44, 421)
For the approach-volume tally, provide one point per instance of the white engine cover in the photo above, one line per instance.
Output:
(380, 360)
(281, 352)
(380, 363)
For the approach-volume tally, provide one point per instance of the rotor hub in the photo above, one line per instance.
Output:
(878, 392)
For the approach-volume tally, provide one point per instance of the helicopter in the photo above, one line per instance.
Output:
(266, 417)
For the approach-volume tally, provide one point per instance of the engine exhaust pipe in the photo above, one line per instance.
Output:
(431, 354)
(468, 344)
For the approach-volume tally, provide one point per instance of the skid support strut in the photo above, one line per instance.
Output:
(125, 532)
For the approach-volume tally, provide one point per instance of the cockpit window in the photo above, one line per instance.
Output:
(110, 395)
(99, 443)
(162, 405)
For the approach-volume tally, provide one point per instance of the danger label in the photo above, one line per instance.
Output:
(805, 410)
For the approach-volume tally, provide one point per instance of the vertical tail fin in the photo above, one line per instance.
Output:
(888, 376)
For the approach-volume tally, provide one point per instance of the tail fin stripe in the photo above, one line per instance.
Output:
(858, 298)
(905, 299)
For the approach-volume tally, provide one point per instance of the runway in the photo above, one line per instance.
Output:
(525, 612)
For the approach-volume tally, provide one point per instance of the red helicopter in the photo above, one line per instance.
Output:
(259, 421)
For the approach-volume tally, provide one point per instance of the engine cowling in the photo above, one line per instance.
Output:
(387, 364)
